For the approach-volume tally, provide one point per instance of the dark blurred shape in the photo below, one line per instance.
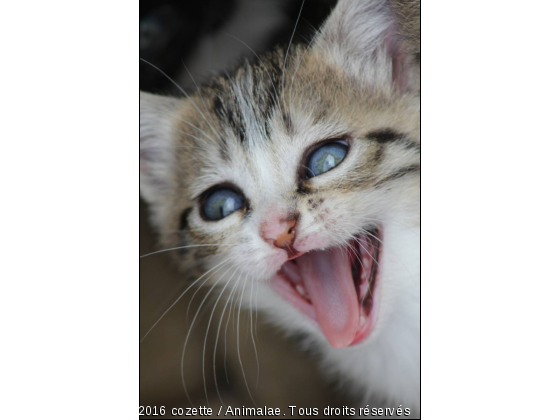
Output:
(171, 30)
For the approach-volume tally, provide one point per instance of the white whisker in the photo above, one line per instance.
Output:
(230, 302)
(190, 329)
(183, 294)
(238, 349)
(181, 89)
(251, 329)
(206, 338)
(202, 99)
(182, 247)
(288, 50)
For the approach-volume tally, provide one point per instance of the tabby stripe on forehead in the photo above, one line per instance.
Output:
(288, 123)
(228, 115)
(270, 101)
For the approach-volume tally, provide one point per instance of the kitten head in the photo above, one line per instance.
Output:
(300, 171)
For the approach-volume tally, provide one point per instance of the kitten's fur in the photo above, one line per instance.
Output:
(358, 79)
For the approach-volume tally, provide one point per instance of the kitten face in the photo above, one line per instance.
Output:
(301, 172)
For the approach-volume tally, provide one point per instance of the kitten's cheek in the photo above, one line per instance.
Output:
(278, 258)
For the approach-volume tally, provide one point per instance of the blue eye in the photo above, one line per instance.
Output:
(325, 158)
(221, 203)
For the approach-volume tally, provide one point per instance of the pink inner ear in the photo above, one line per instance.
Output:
(369, 32)
(396, 49)
(401, 72)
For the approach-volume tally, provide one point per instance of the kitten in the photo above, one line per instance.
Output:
(300, 171)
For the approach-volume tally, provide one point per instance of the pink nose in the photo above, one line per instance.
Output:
(280, 233)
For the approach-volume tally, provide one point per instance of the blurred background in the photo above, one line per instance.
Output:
(207, 38)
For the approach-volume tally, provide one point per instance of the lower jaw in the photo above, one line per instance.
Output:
(369, 314)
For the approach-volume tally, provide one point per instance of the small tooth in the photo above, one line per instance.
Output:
(366, 269)
(301, 290)
(364, 289)
(362, 321)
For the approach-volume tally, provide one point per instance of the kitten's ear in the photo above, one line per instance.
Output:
(377, 41)
(157, 116)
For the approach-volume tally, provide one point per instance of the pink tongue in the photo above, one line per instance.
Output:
(327, 276)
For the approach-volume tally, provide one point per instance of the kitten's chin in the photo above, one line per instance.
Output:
(336, 288)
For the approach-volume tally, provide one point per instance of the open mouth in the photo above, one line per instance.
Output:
(335, 288)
